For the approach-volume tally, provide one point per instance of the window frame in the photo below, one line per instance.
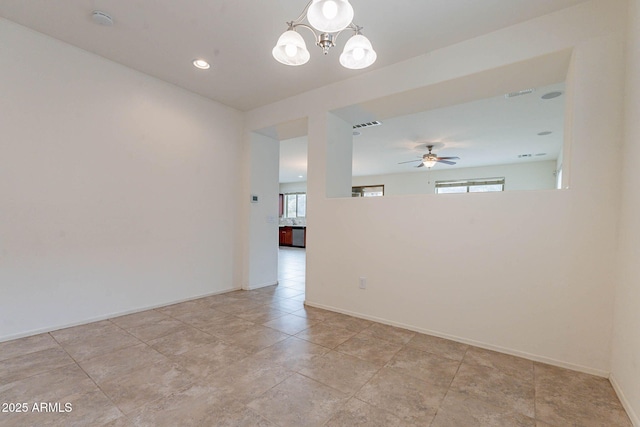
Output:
(285, 210)
(359, 190)
(468, 183)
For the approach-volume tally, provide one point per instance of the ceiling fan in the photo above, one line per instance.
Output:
(430, 159)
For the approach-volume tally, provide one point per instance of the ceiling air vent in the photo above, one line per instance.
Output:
(519, 93)
(367, 125)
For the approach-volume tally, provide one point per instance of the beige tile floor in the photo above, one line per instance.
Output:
(260, 358)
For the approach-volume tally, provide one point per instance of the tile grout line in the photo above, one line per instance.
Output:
(89, 377)
(450, 383)
(100, 388)
(39, 351)
(349, 396)
(353, 396)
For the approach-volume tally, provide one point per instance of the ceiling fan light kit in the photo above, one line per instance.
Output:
(330, 18)
(429, 162)
(430, 159)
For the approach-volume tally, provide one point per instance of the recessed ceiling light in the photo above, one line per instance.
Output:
(201, 63)
(551, 95)
(541, 154)
(356, 133)
(300, 176)
(521, 156)
(546, 132)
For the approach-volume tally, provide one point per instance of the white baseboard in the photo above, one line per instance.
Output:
(108, 316)
(525, 355)
(260, 285)
(635, 419)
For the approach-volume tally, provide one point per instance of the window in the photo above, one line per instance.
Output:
(295, 205)
(481, 185)
(367, 191)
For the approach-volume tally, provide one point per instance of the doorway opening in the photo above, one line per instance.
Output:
(277, 212)
(292, 215)
(292, 263)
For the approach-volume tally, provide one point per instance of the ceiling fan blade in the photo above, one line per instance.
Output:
(411, 161)
(446, 162)
(421, 165)
(448, 158)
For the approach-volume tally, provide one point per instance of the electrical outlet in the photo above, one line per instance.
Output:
(363, 283)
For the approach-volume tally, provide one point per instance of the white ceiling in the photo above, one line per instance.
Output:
(162, 37)
(485, 132)
(467, 117)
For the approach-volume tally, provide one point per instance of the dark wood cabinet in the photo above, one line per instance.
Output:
(286, 236)
(293, 236)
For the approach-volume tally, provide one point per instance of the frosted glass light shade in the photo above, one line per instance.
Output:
(291, 49)
(358, 53)
(330, 16)
(429, 163)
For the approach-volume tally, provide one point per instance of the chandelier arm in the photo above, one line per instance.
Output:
(355, 28)
(307, 27)
(324, 39)
(303, 14)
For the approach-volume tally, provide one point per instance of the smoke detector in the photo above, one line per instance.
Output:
(101, 18)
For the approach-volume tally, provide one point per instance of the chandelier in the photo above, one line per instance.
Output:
(329, 18)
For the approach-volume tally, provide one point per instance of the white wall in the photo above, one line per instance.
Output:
(523, 176)
(263, 226)
(117, 191)
(293, 187)
(528, 273)
(339, 156)
(626, 336)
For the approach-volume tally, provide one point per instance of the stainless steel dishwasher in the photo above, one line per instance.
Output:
(298, 237)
